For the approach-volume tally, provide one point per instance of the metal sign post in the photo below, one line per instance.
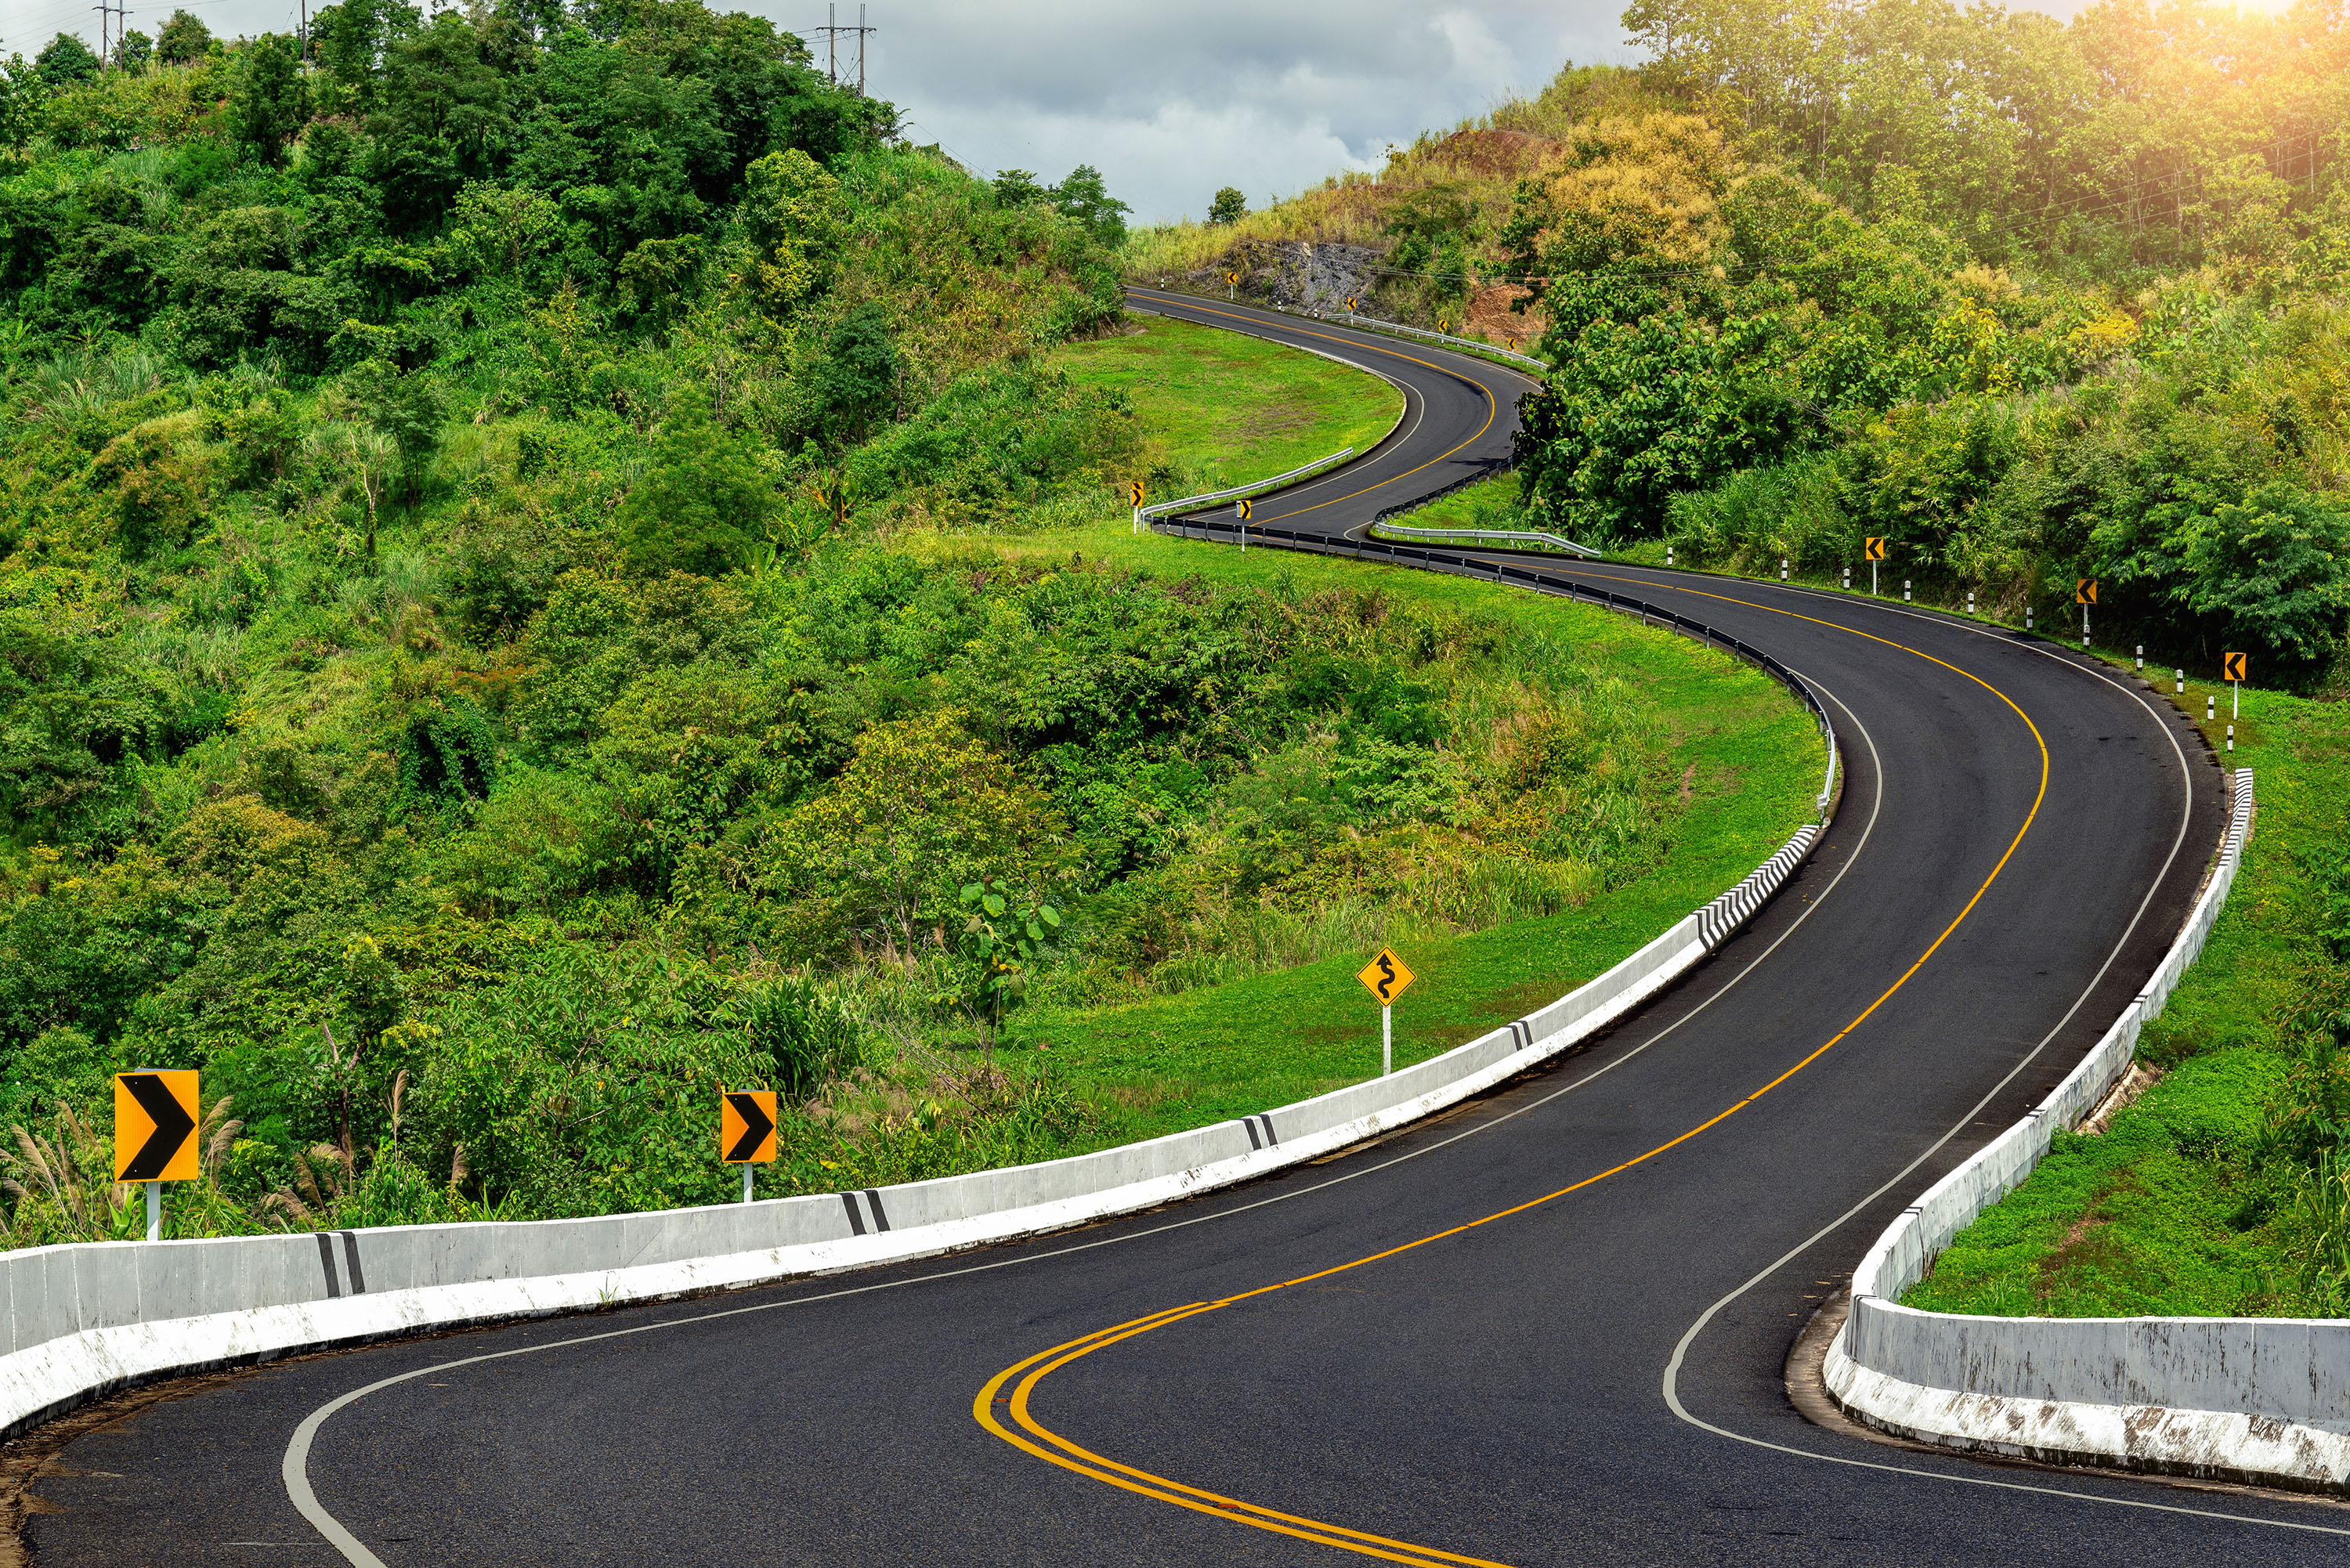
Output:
(1874, 548)
(1386, 978)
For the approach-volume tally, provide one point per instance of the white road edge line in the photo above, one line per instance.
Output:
(294, 1467)
(1680, 1350)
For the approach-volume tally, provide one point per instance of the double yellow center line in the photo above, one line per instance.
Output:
(1034, 1437)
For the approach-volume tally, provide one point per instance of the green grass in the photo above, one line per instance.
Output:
(1229, 407)
(2180, 1208)
(1489, 504)
(1752, 762)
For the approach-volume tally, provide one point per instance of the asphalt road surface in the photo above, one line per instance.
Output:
(1549, 1327)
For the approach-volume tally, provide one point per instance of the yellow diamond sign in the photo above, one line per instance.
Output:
(1385, 977)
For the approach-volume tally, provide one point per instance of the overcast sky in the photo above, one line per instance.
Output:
(1169, 103)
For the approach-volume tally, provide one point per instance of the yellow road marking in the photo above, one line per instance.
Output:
(1035, 1368)
(1493, 406)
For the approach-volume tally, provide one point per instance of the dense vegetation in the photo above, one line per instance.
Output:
(2036, 301)
(510, 618)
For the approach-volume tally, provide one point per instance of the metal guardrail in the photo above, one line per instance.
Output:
(1485, 470)
(1503, 572)
(1152, 514)
(1496, 536)
(1474, 345)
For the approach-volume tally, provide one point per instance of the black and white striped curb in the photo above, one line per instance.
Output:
(1721, 920)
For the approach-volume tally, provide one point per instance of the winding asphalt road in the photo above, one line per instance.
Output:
(1549, 1327)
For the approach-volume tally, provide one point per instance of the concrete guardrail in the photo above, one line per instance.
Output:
(85, 1319)
(2264, 1400)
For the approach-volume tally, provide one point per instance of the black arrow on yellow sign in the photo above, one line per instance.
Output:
(155, 1112)
(752, 1111)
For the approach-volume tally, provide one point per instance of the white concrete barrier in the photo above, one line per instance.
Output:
(2257, 1399)
(86, 1319)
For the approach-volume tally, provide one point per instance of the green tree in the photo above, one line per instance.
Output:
(1018, 188)
(408, 407)
(444, 110)
(268, 102)
(349, 42)
(1084, 197)
(134, 51)
(2272, 573)
(183, 38)
(921, 810)
(855, 380)
(66, 60)
(21, 92)
(1229, 207)
(789, 211)
(1006, 934)
(704, 501)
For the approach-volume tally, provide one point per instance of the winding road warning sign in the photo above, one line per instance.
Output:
(1386, 978)
(746, 1127)
(1874, 547)
(2231, 666)
(155, 1126)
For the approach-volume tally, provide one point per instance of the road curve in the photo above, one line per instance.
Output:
(1546, 1328)
(1460, 414)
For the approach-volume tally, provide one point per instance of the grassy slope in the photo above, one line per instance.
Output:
(1253, 1044)
(1242, 407)
(1239, 407)
(2168, 1211)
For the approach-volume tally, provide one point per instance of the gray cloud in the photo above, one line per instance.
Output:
(1169, 103)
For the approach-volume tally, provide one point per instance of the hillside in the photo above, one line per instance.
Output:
(547, 568)
(2034, 302)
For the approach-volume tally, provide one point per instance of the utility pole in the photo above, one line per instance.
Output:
(106, 51)
(832, 30)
